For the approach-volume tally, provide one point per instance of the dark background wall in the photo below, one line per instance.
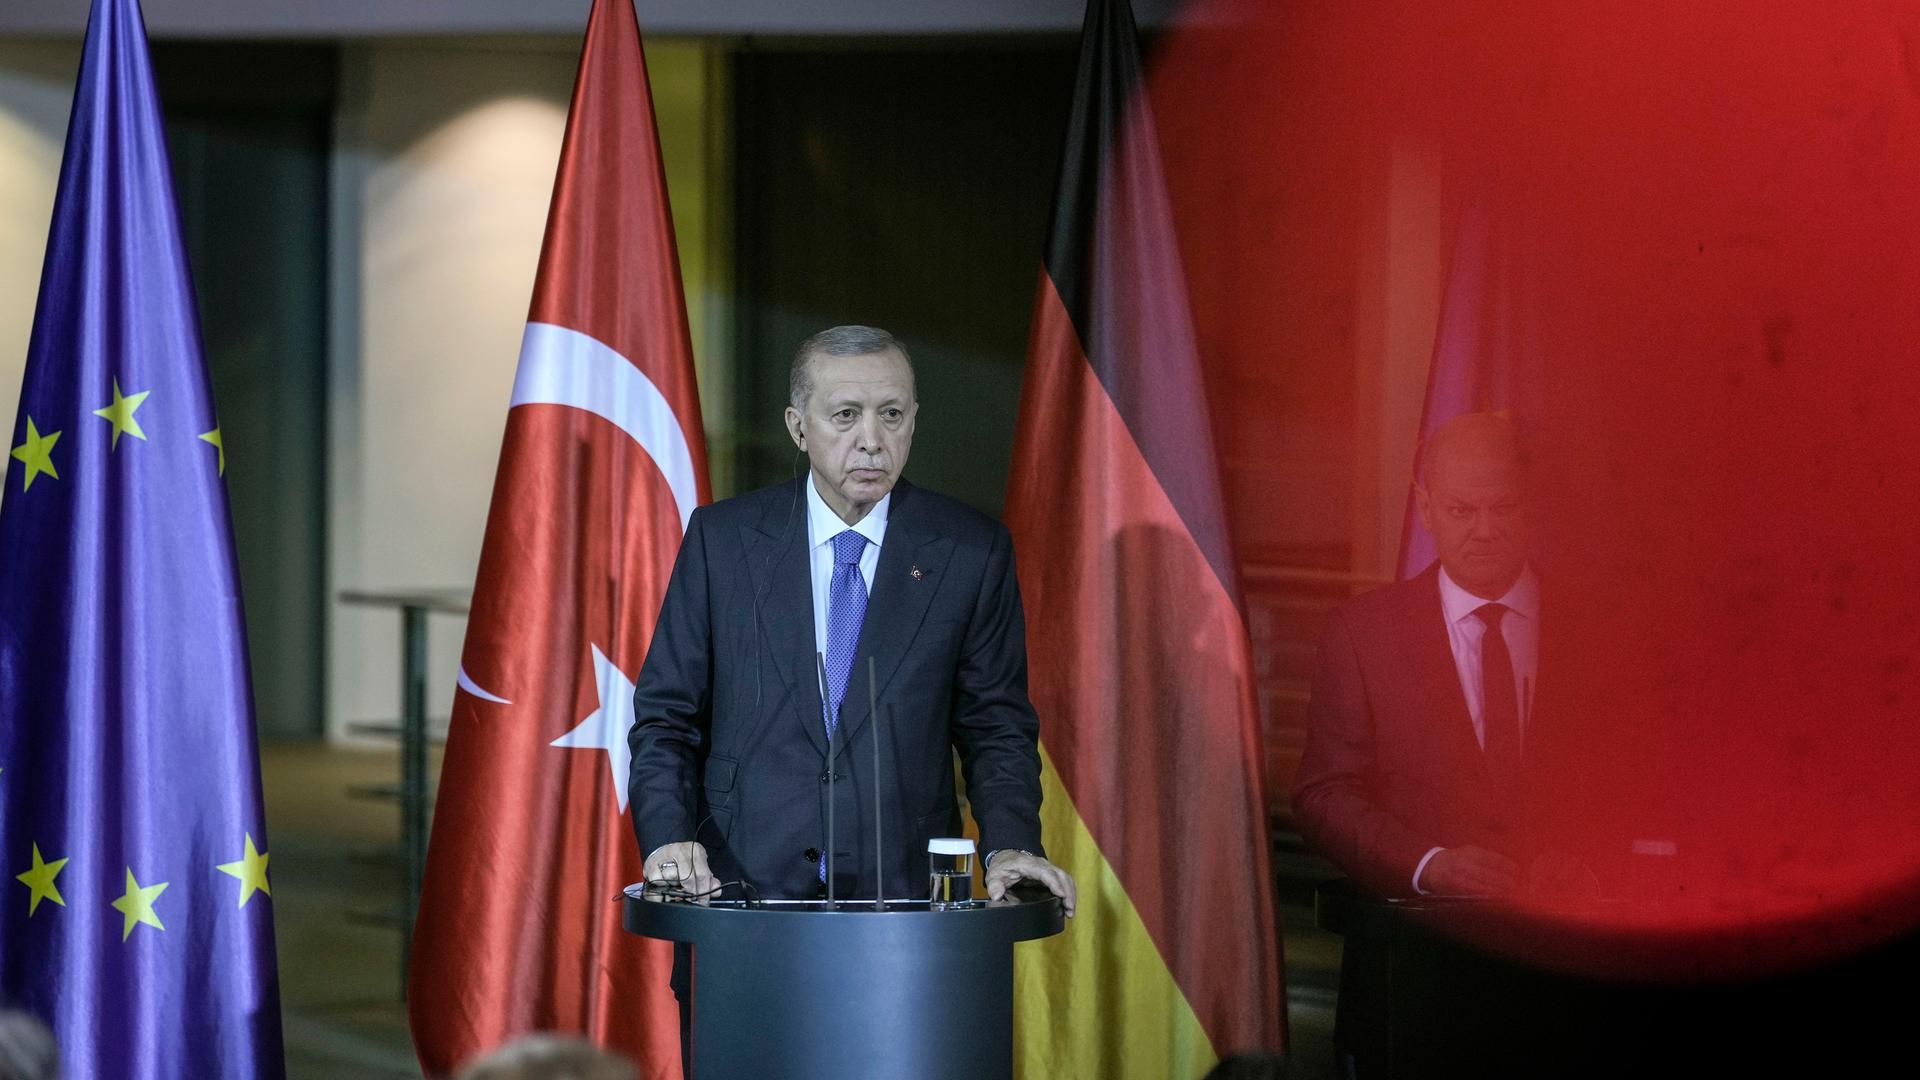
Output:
(249, 130)
(904, 187)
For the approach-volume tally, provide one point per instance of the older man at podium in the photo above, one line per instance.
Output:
(811, 585)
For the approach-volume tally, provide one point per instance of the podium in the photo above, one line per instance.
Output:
(796, 989)
(1418, 999)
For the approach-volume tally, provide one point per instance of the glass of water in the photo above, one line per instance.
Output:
(951, 879)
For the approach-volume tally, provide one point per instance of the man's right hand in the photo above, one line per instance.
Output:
(685, 864)
(1469, 871)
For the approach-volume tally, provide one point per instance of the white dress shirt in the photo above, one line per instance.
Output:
(822, 526)
(1521, 629)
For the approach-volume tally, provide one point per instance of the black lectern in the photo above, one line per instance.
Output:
(796, 989)
(1419, 999)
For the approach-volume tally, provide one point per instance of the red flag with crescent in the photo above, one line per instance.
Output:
(604, 458)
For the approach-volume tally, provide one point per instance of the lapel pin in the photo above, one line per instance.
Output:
(916, 573)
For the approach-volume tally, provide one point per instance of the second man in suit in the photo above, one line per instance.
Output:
(1425, 769)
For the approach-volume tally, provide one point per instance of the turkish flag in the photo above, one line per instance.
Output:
(604, 459)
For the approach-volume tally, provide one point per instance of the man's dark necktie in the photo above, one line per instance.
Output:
(1499, 704)
(846, 611)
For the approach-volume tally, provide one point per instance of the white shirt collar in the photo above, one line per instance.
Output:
(823, 524)
(1522, 599)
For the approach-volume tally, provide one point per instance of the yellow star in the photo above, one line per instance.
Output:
(120, 414)
(36, 454)
(39, 878)
(214, 438)
(251, 870)
(137, 905)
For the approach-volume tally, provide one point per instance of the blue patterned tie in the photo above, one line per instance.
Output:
(846, 608)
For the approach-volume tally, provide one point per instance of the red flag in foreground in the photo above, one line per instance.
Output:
(603, 461)
(1140, 662)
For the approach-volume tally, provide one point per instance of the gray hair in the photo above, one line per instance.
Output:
(1483, 432)
(27, 1048)
(839, 341)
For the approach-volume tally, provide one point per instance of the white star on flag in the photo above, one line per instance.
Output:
(606, 727)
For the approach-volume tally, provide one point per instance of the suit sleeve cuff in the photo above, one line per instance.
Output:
(1001, 834)
(1422, 868)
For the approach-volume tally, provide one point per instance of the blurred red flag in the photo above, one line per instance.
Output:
(603, 460)
(1141, 669)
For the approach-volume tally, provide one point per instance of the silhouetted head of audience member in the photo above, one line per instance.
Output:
(549, 1057)
(1472, 495)
(1250, 1067)
(27, 1049)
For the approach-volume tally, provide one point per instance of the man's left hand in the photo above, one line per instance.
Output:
(1557, 875)
(1011, 866)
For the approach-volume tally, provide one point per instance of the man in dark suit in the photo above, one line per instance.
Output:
(1423, 764)
(731, 734)
(1426, 772)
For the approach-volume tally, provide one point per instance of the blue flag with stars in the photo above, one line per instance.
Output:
(136, 917)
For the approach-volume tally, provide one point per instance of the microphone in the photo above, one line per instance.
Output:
(826, 700)
(873, 722)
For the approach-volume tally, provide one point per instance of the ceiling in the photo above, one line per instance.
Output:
(389, 18)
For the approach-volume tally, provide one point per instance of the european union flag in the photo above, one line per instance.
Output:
(136, 919)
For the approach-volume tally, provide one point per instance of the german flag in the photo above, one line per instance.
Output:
(1141, 669)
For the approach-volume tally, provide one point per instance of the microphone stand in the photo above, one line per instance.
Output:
(873, 721)
(833, 728)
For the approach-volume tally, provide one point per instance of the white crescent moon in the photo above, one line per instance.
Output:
(559, 366)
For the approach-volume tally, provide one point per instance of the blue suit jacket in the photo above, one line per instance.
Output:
(728, 743)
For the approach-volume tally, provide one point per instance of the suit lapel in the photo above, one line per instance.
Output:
(1432, 652)
(777, 557)
(897, 603)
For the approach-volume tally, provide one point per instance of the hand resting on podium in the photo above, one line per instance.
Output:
(1008, 867)
(683, 864)
(1468, 871)
(1474, 871)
